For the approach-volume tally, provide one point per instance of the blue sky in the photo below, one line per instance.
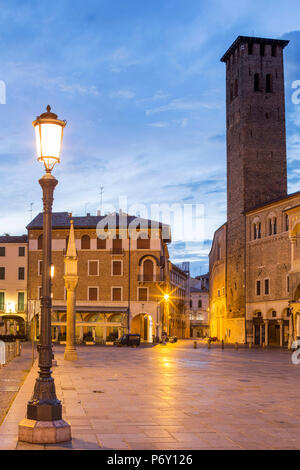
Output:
(143, 90)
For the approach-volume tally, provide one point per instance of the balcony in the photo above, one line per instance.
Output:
(148, 278)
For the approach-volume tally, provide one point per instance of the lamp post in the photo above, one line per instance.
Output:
(44, 422)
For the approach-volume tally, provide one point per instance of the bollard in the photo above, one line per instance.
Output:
(222, 344)
(208, 344)
(264, 345)
(250, 345)
(195, 344)
(18, 347)
(236, 346)
(2, 354)
(12, 351)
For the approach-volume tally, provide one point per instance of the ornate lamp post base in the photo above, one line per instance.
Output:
(44, 432)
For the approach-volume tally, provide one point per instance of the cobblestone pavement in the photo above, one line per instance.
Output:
(12, 377)
(172, 397)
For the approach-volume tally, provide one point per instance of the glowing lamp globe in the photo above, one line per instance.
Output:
(48, 134)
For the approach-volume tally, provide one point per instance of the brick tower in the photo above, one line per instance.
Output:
(256, 151)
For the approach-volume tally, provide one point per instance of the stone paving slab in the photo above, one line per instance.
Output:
(171, 397)
(12, 376)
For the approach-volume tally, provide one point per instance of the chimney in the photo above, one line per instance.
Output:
(98, 213)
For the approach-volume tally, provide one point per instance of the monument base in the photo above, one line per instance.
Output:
(70, 355)
(44, 432)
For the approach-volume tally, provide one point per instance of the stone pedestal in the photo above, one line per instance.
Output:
(70, 351)
(44, 432)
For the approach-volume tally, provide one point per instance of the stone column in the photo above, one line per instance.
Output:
(81, 334)
(260, 334)
(266, 322)
(253, 333)
(71, 280)
(281, 332)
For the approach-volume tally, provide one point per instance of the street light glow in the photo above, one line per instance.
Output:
(48, 136)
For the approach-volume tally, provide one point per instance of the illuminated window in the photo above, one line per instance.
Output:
(2, 300)
(21, 301)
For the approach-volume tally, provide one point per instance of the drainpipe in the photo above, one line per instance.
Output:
(129, 265)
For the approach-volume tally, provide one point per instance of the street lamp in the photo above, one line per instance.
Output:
(44, 410)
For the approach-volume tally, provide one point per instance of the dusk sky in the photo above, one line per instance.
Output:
(143, 90)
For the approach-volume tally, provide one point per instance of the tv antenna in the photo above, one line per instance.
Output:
(30, 210)
(101, 193)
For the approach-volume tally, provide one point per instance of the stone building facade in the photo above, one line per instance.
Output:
(13, 284)
(123, 269)
(179, 317)
(199, 306)
(250, 257)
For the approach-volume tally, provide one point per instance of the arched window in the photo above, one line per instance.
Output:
(143, 243)
(250, 48)
(67, 241)
(274, 50)
(40, 242)
(199, 303)
(256, 82)
(256, 230)
(286, 222)
(272, 225)
(268, 83)
(85, 242)
(148, 270)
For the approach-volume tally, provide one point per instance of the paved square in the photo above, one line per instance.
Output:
(176, 397)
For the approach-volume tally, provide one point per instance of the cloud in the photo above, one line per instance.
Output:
(127, 94)
(158, 124)
(181, 104)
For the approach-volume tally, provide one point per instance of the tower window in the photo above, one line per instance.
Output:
(250, 48)
(267, 286)
(258, 290)
(262, 50)
(268, 83)
(256, 82)
(273, 52)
